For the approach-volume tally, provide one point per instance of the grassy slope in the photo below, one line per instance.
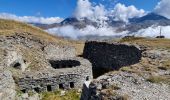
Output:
(152, 43)
(150, 66)
(9, 27)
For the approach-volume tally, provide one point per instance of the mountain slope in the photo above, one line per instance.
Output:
(10, 27)
(146, 21)
(150, 16)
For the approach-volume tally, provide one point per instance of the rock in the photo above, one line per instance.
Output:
(25, 96)
(62, 93)
(105, 84)
(14, 59)
(7, 86)
(59, 51)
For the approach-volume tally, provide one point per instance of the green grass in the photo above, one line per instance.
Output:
(69, 95)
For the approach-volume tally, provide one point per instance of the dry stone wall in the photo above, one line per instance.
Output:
(110, 55)
(61, 78)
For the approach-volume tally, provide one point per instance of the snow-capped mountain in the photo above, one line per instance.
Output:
(80, 26)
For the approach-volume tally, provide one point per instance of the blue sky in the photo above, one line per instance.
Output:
(61, 8)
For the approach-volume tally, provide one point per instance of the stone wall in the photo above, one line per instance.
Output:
(51, 79)
(49, 84)
(111, 56)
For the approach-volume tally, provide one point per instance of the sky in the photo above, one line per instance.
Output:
(62, 8)
(55, 11)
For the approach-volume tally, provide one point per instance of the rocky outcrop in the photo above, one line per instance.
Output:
(99, 90)
(59, 52)
(15, 60)
(7, 86)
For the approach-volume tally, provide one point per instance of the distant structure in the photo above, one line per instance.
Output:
(128, 36)
(160, 34)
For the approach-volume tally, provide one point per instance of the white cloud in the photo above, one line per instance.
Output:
(70, 31)
(83, 9)
(94, 12)
(123, 13)
(31, 19)
(86, 9)
(154, 31)
(163, 8)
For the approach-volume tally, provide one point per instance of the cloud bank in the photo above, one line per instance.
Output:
(154, 31)
(70, 31)
(163, 8)
(31, 19)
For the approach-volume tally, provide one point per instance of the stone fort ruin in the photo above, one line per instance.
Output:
(39, 66)
(42, 66)
(64, 74)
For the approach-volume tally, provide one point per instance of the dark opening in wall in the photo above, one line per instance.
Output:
(71, 84)
(25, 61)
(49, 88)
(99, 71)
(37, 89)
(17, 65)
(23, 91)
(61, 86)
(64, 63)
(87, 78)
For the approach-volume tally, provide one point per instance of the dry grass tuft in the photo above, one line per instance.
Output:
(159, 79)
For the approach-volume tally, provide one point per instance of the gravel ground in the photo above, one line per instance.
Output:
(137, 88)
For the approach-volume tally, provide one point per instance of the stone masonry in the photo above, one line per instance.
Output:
(58, 78)
(111, 55)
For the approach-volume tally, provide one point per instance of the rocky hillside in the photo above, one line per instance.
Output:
(10, 27)
(147, 80)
